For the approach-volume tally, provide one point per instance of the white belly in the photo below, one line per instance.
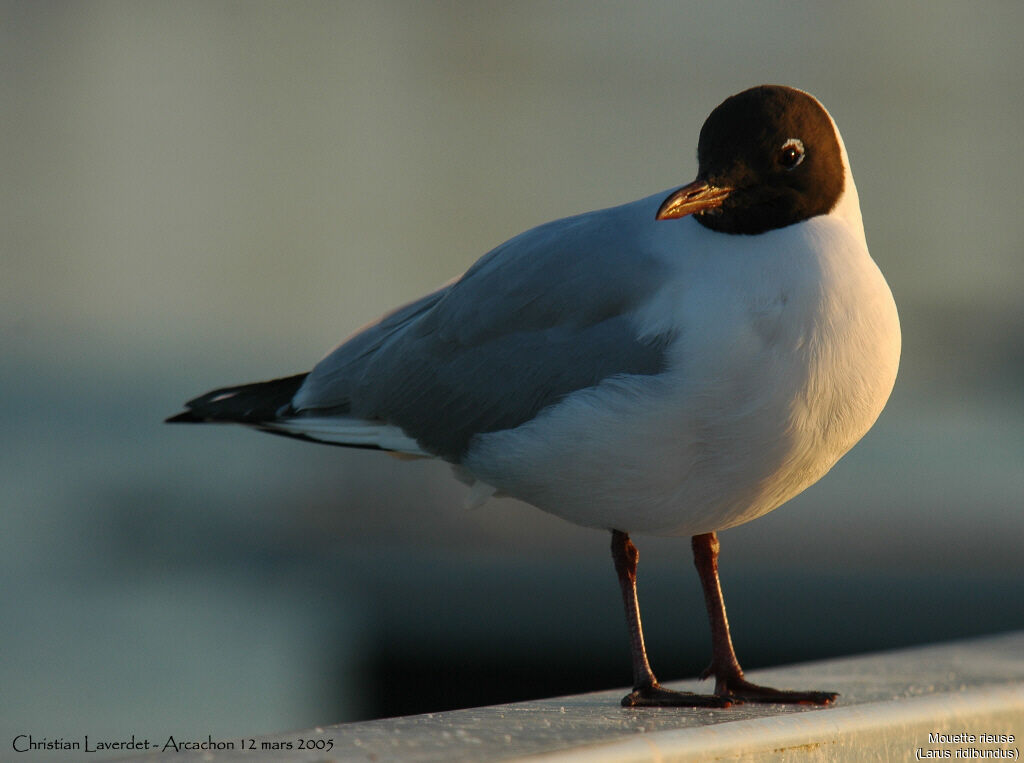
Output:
(778, 367)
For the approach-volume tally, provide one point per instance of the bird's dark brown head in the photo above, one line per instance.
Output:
(767, 158)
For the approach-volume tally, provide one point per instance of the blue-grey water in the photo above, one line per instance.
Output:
(195, 194)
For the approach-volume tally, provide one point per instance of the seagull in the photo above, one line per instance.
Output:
(673, 366)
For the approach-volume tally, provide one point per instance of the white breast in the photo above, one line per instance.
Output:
(786, 348)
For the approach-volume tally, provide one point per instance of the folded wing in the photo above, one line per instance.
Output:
(547, 313)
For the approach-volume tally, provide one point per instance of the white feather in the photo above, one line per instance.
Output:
(347, 431)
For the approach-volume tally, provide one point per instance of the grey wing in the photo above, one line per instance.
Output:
(547, 313)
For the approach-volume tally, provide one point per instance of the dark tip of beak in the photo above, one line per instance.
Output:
(698, 196)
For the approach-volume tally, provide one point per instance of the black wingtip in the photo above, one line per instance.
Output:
(245, 404)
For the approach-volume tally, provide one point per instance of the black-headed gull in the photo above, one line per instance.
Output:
(675, 366)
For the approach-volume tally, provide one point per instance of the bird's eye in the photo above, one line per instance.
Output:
(791, 153)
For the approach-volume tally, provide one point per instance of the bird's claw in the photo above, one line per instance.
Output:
(738, 688)
(658, 696)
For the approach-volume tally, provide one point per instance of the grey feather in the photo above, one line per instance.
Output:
(545, 314)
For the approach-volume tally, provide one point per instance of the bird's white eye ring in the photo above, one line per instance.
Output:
(791, 153)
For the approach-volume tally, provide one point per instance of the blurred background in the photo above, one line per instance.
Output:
(196, 194)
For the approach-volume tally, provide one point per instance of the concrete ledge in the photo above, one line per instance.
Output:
(928, 702)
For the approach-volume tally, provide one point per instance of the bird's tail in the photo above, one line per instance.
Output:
(267, 406)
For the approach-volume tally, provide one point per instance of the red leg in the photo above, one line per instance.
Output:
(729, 680)
(647, 692)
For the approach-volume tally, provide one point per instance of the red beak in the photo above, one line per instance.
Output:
(698, 196)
